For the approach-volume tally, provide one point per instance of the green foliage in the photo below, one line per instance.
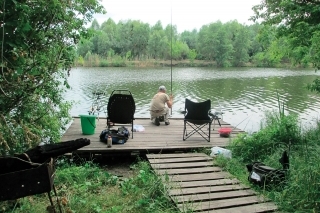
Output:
(192, 55)
(314, 86)
(229, 44)
(36, 55)
(241, 44)
(298, 21)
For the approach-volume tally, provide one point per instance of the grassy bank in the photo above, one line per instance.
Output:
(301, 191)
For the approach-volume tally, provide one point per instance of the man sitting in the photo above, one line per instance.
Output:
(158, 106)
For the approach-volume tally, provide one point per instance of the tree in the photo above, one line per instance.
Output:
(207, 36)
(255, 45)
(223, 49)
(158, 44)
(297, 20)
(84, 47)
(38, 40)
(140, 37)
(239, 36)
(190, 38)
(214, 44)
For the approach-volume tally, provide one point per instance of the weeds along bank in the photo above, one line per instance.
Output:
(301, 191)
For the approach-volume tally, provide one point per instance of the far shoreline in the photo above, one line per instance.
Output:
(152, 63)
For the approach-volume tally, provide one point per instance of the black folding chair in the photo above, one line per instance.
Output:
(121, 108)
(197, 118)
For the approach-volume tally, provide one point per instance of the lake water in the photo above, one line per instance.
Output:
(243, 94)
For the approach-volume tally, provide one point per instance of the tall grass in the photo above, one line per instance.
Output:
(88, 188)
(301, 192)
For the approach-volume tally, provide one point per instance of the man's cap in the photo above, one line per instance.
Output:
(163, 88)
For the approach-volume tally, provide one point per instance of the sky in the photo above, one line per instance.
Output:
(185, 14)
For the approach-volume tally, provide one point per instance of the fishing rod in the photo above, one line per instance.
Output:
(171, 54)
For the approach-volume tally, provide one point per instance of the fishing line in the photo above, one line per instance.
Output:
(243, 121)
(2, 46)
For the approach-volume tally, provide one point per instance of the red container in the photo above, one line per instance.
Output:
(225, 132)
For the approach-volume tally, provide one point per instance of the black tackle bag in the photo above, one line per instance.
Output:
(264, 175)
(119, 136)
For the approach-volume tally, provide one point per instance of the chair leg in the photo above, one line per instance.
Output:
(132, 130)
(55, 193)
(51, 202)
(184, 130)
(209, 131)
(214, 123)
(197, 129)
(219, 122)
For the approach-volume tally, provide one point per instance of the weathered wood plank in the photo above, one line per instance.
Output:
(174, 155)
(218, 204)
(181, 165)
(197, 177)
(254, 208)
(208, 189)
(179, 160)
(212, 196)
(203, 183)
(188, 170)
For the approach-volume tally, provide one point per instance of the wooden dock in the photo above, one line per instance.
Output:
(195, 185)
(154, 139)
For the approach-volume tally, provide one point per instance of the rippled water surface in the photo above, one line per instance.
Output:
(242, 94)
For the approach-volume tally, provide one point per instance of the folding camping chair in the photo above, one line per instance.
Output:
(121, 108)
(197, 118)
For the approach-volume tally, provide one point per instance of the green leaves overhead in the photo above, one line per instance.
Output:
(38, 50)
(298, 21)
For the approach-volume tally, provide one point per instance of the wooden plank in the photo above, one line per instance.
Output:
(188, 170)
(212, 196)
(202, 183)
(174, 155)
(207, 189)
(197, 177)
(217, 204)
(179, 160)
(181, 165)
(254, 208)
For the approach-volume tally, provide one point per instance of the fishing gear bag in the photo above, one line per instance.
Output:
(264, 175)
(119, 136)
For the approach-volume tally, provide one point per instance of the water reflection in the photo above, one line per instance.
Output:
(243, 94)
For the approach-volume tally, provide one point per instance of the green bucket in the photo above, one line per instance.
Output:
(88, 124)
